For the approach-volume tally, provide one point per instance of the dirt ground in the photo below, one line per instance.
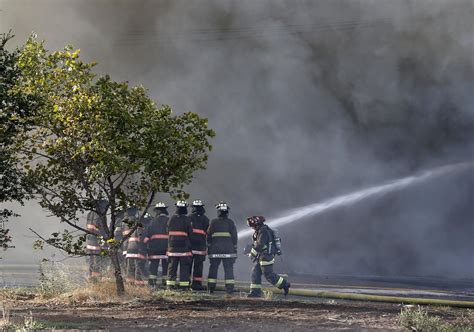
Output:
(220, 314)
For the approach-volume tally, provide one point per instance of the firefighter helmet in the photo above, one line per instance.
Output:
(197, 202)
(160, 205)
(255, 221)
(181, 204)
(222, 206)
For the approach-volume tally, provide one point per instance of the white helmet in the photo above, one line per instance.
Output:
(197, 202)
(181, 204)
(160, 205)
(222, 206)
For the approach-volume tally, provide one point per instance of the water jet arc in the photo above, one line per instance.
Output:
(347, 199)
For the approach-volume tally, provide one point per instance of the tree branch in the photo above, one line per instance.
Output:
(58, 246)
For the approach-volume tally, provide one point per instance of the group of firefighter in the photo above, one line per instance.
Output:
(182, 242)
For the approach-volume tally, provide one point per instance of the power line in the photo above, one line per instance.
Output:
(242, 33)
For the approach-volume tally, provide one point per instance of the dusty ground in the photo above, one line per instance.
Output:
(228, 315)
(209, 312)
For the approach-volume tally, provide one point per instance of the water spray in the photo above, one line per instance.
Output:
(351, 198)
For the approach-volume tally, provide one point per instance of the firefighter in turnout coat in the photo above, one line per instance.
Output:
(97, 263)
(119, 236)
(136, 252)
(179, 247)
(263, 256)
(200, 224)
(222, 240)
(156, 239)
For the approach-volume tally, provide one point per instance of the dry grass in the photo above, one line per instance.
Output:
(5, 322)
(267, 295)
(180, 296)
(417, 318)
(103, 292)
(57, 278)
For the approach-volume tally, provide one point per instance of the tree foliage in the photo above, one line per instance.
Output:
(14, 111)
(94, 138)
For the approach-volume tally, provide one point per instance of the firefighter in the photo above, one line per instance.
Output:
(179, 248)
(94, 247)
(222, 240)
(125, 230)
(119, 236)
(135, 252)
(263, 255)
(200, 224)
(156, 239)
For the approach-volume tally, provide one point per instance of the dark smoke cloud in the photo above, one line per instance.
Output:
(309, 99)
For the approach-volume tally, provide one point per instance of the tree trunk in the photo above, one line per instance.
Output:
(114, 257)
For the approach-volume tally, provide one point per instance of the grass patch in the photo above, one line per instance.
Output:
(29, 323)
(417, 318)
(104, 292)
(180, 296)
(267, 295)
(57, 278)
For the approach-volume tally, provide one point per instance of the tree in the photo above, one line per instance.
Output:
(14, 109)
(96, 139)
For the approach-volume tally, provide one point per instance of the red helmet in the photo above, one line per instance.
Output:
(255, 221)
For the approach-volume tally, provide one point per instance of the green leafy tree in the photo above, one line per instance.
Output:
(95, 139)
(14, 110)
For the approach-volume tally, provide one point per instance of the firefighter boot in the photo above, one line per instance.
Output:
(152, 281)
(286, 287)
(211, 289)
(197, 287)
(255, 291)
(229, 289)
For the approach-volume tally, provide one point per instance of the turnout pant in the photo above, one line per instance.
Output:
(184, 263)
(198, 265)
(136, 270)
(228, 273)
(154, 265)
(266, 268)
(97, 266)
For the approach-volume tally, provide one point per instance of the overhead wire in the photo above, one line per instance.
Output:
(134, 37)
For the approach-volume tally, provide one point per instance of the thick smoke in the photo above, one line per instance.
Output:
(309, 99)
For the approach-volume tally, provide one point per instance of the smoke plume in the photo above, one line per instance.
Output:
(309, 99)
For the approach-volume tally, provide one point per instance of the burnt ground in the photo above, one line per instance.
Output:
(220, 314)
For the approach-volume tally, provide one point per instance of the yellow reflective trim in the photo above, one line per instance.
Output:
(211, 280)
(184, 283)
(254, 252)
(230, 281)
(264, 263)
(255, 286)
(280, 281)
(170, 282)
(221, 234)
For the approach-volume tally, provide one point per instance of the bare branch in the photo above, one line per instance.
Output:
(58, 246)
